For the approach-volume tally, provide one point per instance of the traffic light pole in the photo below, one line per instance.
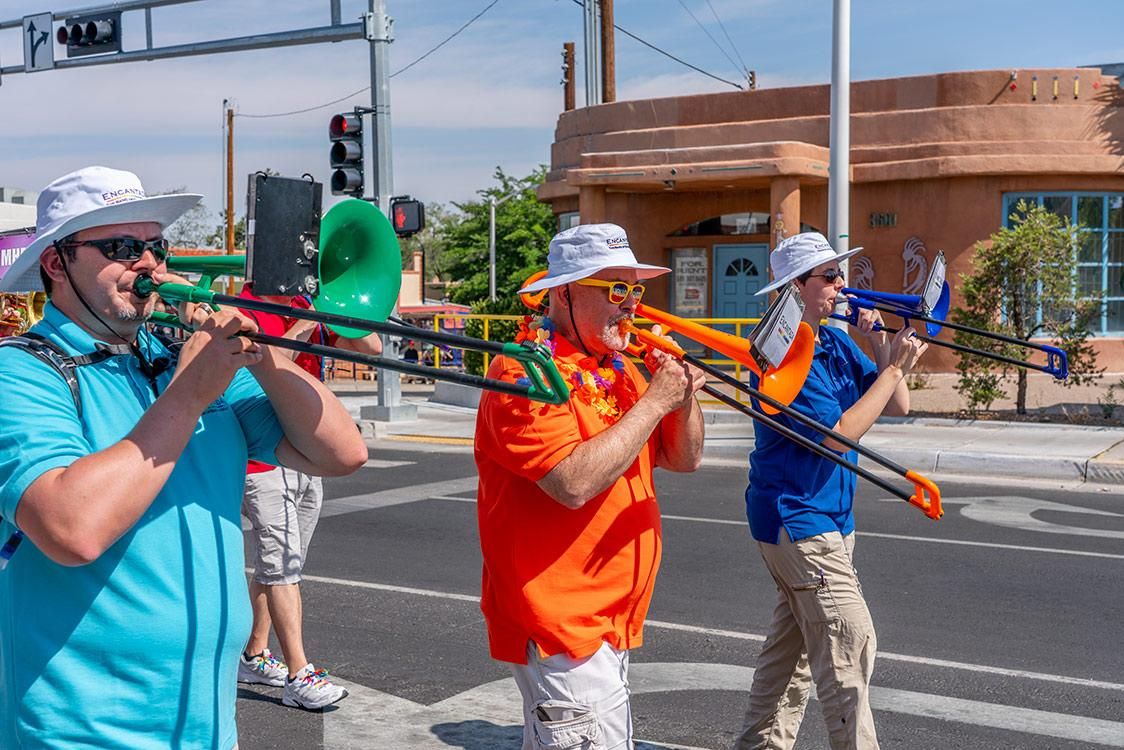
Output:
(380, 181)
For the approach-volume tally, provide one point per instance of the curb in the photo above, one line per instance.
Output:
(1104, 472)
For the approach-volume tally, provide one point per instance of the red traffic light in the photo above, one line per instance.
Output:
(346, 154)
(345, 126)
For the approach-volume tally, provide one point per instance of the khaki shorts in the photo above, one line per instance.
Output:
(575, 704)
(283, 507)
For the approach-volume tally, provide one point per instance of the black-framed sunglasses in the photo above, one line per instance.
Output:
(126, 249)
(829, 276)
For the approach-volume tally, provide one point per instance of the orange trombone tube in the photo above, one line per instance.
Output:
(781, 383)
(534, 300)
(734, 347)
(647, 338)
(930, 504)
(927, 496)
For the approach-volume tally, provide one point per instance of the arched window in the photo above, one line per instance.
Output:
(741, 267)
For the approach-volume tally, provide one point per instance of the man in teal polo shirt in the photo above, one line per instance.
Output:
(123, 613)
(800, 509)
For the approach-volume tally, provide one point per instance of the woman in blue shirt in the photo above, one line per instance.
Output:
(800, 506)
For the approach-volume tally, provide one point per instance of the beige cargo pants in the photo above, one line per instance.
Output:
(821, 630)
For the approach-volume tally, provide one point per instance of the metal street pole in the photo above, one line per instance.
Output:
(492, 248)
(492, 203)
(592, 52)
(839, 170)
(380, 181)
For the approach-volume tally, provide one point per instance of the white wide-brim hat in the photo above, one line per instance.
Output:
(798, 254)
(90, 197)
(582, 251)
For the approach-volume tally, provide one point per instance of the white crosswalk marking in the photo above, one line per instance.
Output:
(397, 496)
(381, 463)
(490, 714)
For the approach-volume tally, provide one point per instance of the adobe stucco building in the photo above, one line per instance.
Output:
(707, 184)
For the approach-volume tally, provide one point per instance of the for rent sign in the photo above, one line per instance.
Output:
(12, 245)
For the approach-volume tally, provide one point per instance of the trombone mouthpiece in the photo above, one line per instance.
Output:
(144, 286)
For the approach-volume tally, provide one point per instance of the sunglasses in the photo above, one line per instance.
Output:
(619, 291)
(828, 276)
(125, 248)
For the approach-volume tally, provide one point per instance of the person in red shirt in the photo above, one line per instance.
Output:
(569, 525)
(283, 506)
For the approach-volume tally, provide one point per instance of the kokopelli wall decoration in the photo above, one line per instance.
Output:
(916, 267)
(862, 273)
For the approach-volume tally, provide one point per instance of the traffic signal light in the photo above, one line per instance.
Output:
(407, 215)
(346, 132)
(91, 35)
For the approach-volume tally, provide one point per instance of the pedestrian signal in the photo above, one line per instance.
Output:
(407, 215)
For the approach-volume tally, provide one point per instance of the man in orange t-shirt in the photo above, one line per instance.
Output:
(569, 525)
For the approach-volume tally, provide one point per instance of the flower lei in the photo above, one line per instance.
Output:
(599, 387)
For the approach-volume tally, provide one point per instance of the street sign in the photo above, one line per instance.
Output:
(38, 47)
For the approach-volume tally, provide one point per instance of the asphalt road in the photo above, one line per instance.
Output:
(999, 626)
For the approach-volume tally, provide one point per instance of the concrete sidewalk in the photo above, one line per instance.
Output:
(940, 447)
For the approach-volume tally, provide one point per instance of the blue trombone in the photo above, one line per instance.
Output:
(932, 310)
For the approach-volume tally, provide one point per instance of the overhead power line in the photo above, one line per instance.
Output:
(734, 47)
(309, 109)
(667, 54)
(706, 31)
(447, 39)
(401, 70)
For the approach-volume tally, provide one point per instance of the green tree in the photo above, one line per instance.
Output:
(524, 226)
(1023, 284)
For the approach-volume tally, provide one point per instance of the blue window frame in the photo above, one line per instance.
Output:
(1100, 258)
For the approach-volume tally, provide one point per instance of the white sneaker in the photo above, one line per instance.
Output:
(263, 669)
(310, 688)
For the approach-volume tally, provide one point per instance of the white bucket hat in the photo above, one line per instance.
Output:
(798, 254)
(580, 252)
(90, 197)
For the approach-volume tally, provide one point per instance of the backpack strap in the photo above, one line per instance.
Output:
(52, 355)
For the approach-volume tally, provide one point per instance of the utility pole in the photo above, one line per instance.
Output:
(229, 107)
(568, 87)
(608, 54)
(839, 169)
(377, 29)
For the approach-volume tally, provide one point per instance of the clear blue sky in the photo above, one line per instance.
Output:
(488, 98)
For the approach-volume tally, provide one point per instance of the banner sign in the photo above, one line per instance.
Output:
(12, 245)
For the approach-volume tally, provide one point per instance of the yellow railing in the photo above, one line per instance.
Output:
(741, 327)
